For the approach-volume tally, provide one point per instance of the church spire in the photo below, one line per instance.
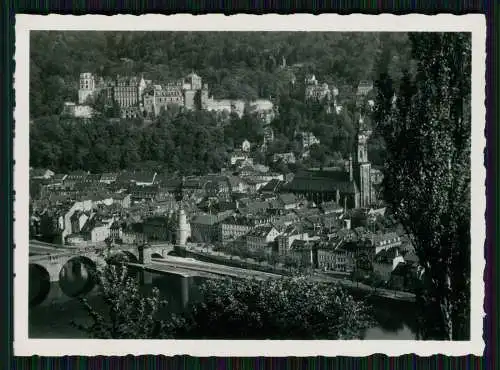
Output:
(362, 164)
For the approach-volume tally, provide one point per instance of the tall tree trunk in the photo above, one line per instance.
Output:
(447, 307)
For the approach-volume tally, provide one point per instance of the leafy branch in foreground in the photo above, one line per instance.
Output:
(129, 312)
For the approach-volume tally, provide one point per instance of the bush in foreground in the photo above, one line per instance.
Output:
(286, 308)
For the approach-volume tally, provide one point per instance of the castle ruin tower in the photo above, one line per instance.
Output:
(363, 166)
(192, 85)
(182, 229)
(87, 87)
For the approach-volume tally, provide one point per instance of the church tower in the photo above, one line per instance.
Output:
(362, 165)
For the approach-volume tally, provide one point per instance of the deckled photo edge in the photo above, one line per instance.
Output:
(23, 346)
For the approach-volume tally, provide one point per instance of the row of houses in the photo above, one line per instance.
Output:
(140, 178)
(90, 218)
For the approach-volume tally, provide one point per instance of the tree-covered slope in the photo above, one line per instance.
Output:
(234, 64)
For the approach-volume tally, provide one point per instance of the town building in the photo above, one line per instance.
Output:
(331, 207)
(41, 173)
(96, 229)
(316, 91)
(159, 228)
(335, 259)
(386, 241)
(205, 227)
(364, 87)
(386, 261)
(245, 146)
(272, 187)
(123, 199)
(115, 231)
(144, 194)
(74, 177)
(285, 240)
(233, 228)
(108, 178)
(259, 239)
(78, 220)
(302, 253)
(307, 139)
(238, 155)
(288, 201)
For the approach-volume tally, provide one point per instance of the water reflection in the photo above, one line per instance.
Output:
(39, 284)
(77, 276)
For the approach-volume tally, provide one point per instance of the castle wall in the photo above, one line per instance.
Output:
(189, 96)
(84, 95)
(126, 96)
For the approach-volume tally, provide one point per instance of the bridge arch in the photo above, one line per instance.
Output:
(156, 255)
(78, 276)
(127, 256)
(39, 284)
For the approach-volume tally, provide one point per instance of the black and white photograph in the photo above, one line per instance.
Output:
(287, 182)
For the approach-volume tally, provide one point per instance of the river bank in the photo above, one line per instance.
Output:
(228, 260)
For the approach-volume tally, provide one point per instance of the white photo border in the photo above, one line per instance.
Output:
(24, 346)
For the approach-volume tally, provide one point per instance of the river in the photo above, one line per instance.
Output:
(52, 319)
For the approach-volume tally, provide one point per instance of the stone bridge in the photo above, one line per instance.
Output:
(71, 268)
(57, 264)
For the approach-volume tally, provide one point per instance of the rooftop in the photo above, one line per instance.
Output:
(319, 181)
(260, 231)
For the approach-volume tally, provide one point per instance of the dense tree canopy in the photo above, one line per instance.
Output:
(235, 64)
(188, 142)
(427, 172)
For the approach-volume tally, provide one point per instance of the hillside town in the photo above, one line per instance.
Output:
(251, 185)
(331, 220)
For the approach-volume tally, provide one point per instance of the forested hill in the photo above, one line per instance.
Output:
(234, 64)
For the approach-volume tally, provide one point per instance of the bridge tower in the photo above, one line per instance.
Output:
(182, 229)
(145, 259)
